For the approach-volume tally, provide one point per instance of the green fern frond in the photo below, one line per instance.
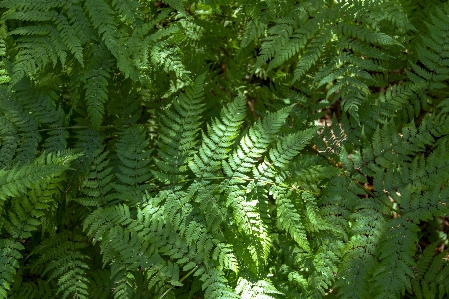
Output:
(252, 225)
(35, 290)
(96, 95)
(392, 275)
(297, 42)
(163, 54)
(285, 39)
(366, 35)
(106, 26)
(128, 10)
(97, 183)
(45, 112)
(89, 142)
(40, 33)
(431, 273)
(132, 150)
(103, 219)
(100, 279)
(70, 38)
(221, 135)
(124, 252)
(81, 26)
(325, 265)
(254, 143)
(215, 285)
(68, 265)
(179, 135)
(280, 156)
(359, 260)
(432, 53)
(312, 54)
(17, 180)
(288, 217)
(251, 288)
(4, 74)
(9, 256)
(176, 4)
(26, 214)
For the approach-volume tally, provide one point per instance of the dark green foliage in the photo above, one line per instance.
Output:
(224, 149)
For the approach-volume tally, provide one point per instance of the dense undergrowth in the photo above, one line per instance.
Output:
(224, 149)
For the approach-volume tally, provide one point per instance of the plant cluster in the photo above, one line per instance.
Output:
(224, 149)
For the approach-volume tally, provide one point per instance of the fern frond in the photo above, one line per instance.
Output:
(98, 182)
(331, 195)
(324, 263)
(179, 133)
(132, 150)
(17, 180)
(42, 105)
(96, 94)
(431, 274)
(288, 217)
(278, 43)
(35, 290)
(163, 54)
(4, 74)
(254, 143)
(81, 26)
(281, 155)
(103, 219)
(221, 135)
(9, 256)
(312, 54)
(176, 4)
(100, 279)
(106, 26)
(359, 260)
(432, 53)
(215, 285)
(70, 38)
(20, 128)
(128, 10)
(392, 275)
(66, 263)
(251, 288)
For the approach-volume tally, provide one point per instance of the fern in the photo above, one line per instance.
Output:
(131, 150)
(216, 144)
(10, 263)
(223, 149)
(176, 145)
(64, 249)
(432, 54)
(39, 181)
(16, 180)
